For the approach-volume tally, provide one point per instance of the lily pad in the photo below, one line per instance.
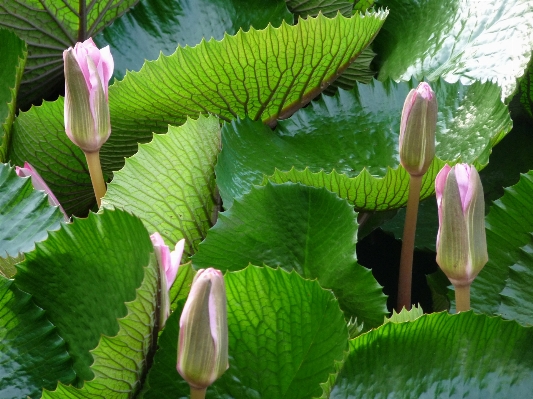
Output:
(464, 355)
(302, 228)
(456, 40)
(25, 215)
(160, 26)
(170, 183)
(349, 143)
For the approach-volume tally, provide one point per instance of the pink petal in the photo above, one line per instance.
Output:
(175, 260)
(462, 174)
(39, 184)
(440, 183)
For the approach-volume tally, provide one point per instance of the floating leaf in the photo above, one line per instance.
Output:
(49, 28)
(306, 229)
(163, 25)
(509, 226)
(92, 267)
(11, 66)
(120, 362)
(266, 74)
(170, 183)
(405, 315)
(348, 143)
(25, 215)
(285, 335)
(32, 355)
(329, 8)
(456, 40)
(440, 356)
(517, 296)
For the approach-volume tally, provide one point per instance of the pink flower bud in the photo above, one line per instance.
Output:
(203, 339)
(39, 184)
(87, 73)
(461, 240)
(169, 264)
(417, 130)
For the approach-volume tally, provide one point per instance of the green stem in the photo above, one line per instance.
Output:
(198, 393)
(97, 178)
(408, 244)
(462, 298)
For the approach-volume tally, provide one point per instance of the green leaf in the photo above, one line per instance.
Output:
(405, 315)
(440, 356)
(7, 265)
(11, 66)
(158, 95)
(360, 69)
(49, 28)
(348, 143)
(509, 226)
(120, 362)
(285, 335)
(162, 25)
(92, 267)
(32, 355)
(25, 215)
(363, 5)
(301, 228)
(170, 183)
(39, 138)
(329, 8)
(266, 74)
(517, 296)
(456, 40)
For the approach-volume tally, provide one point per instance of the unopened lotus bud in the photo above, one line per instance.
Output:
(168, 266)
(461, 240)
(203, 339)
(417, 130)
(87, 73)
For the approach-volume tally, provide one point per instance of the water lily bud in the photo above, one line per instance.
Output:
(461, 240)
(169, 264)
(203, 340)
(39, 184)
(87, 73)
(417, 130)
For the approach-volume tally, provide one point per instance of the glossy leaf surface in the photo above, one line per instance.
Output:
(440, 356)
(160, 26)
(305, 229)
(32, 355)
(349, 143)
(266, 74)
(98, 261)
(121, 361)
(25, 215)
(456, 40)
